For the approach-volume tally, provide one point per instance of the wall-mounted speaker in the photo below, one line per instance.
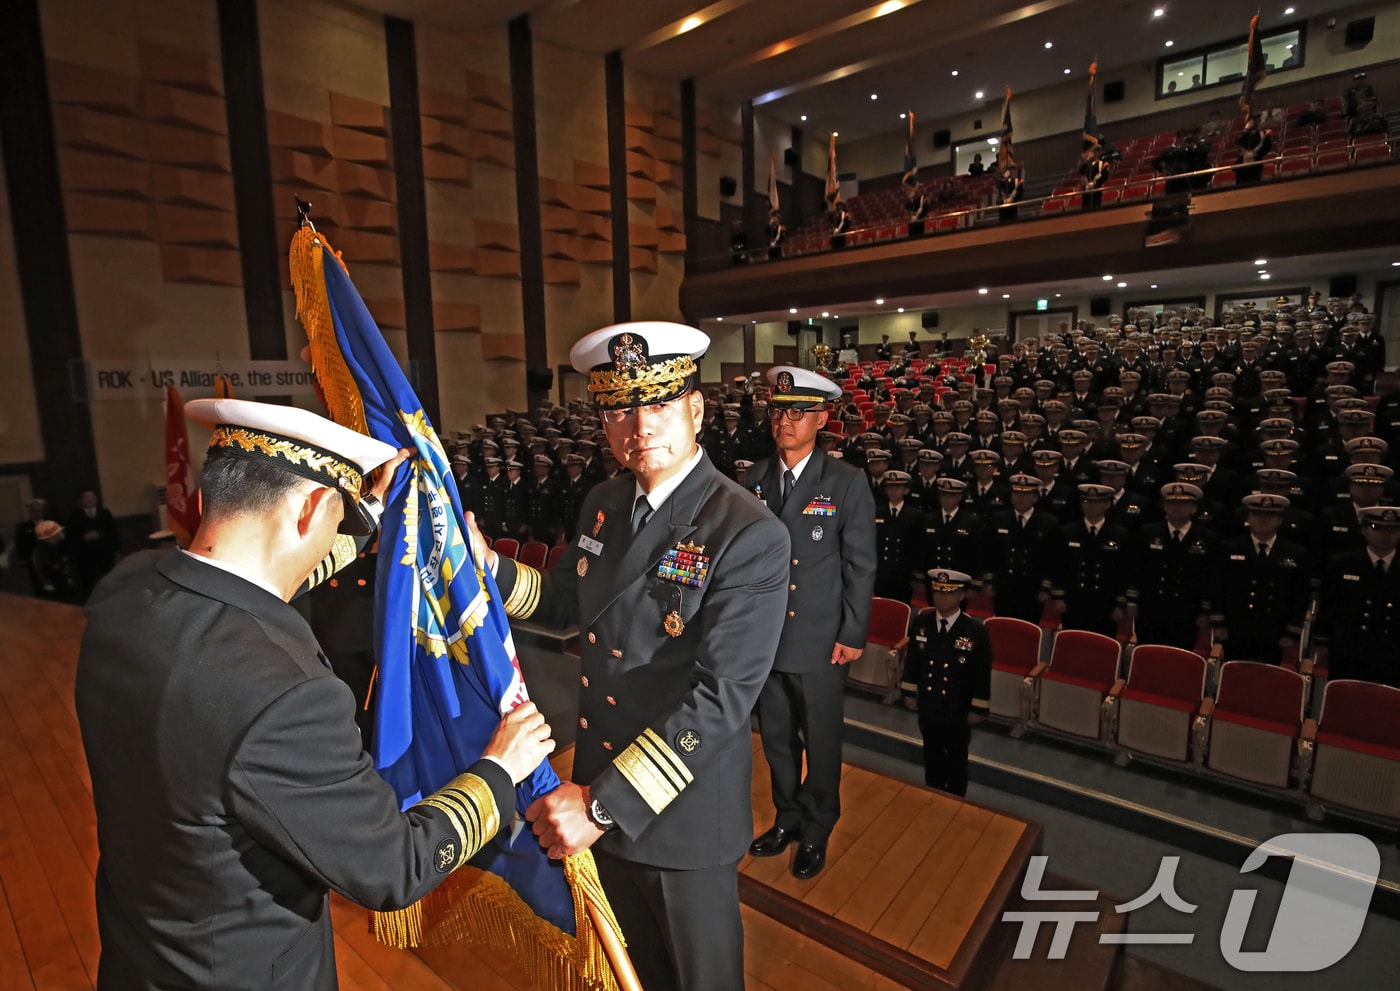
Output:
(929, 319)
(790, 157)
(1342, 286)
(539, 379)
(942, 138)
(977, 124)
(1360, 32)
(1113, 92)
(728, 185)
(1100, 306)
(794, 327)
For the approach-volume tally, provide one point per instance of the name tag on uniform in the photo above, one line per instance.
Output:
(1000, 530)
(820, 506)
(1072, 543)
(1236, 557)
(1340, 529)
(922, 639)
(1351, 578)
(589, 544)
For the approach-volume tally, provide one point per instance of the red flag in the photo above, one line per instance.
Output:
(182, 509)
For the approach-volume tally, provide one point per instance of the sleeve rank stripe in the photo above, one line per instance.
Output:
(525, 596)
(475, 837)
(642, 775)
(650, 735)
(471, 808)
(662, 766)
(458, 826)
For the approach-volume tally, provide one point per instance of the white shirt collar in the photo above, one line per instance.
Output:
(798, 468)
(1184, 529)
(1268, 544)
(951, 619)
(236, 571)
(1388, 559)
(657, 497)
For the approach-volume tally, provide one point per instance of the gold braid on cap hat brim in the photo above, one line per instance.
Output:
(612, 389)
(316, 465)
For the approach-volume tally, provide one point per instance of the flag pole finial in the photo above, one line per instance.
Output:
(303, 213)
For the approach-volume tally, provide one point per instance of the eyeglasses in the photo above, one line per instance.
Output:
(791, 412)
(616, 416)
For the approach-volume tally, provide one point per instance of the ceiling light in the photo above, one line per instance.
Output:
(1158, 12)
(719, 319)
(1264, 275)
(879, 302)
(900, 310)
(1057, 295)
(1261, 262)
(1049, 45)
(1395, 264)
(1006, 295)
(902, 116)
(1153, 286)
(835, 316)
(1169, 43)
(978, 95)
(1122, 285)
(981, 292)
(994, 141)
(690, 24)
(889, 7)
(1288, 10)
(825, 314)
(793, 310)
(955, 72)
(835, 134)
(874, 96)
(1108, 278)
(804, 116)
(1067, 72)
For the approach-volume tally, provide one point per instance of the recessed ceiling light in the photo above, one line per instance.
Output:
(902, 116)
(753, 321)
(900, 310)
(1006, 295)
(1261, 262)
(835, 134)
(719, 319)
(978, 95)
(1067, 72)
(955, 72)
(804, 116)
(1108, 278)
(1057, 295)
(825, 314)
(879, 302)
(793, 310)
(889, 7)
(1264, 275)
(1289, 10)
(836, 316)
(1158, 12)
(690, 24)
(1049, 45)
(1122, 285)
(874, 96)
(1153, 286)
(1395, 264)
(1169, 43)
(981, 292)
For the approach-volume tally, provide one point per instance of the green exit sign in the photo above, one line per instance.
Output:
(1042, 304)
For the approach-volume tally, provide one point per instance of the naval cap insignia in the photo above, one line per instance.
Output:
(785, 381)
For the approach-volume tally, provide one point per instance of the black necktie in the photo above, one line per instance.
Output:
(1263, 550)
(942, 627)
(1177, 535)
(1093, 531)
(947, 518)
(641, 512)
(1380, 568)
(789, 480)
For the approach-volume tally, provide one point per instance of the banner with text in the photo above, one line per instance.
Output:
(95, 380)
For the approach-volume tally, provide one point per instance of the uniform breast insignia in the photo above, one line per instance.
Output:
(598, 523)
(758, 491)
(685, 563)
(582, 568)
(687, 741)
(675, 626)
(817, 532)
(820, 506)
(445, 856)
(962, 643)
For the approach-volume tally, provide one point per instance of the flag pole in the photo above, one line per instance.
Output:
(618, 959)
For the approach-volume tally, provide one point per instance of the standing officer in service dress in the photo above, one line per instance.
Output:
(1263, 586)
(1358, 614)
(950, 664)
(1022, 543)
(830, 518)
(1092, 571)
(1173, 561)
(678, 583)
(229, 783)
(899, 527)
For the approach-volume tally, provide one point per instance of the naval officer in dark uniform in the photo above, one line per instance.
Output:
(829, 513)
(950, 664)
(229, 783)
(1358, 614)
(678, 583)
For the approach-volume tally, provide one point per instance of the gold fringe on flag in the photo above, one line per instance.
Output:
(477, 907)
(341, 394)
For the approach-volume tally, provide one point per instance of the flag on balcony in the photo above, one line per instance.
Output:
(181, 506)
(773, 206)
(833, 187)
(1092, 141)
(911, 160)
(447, 666)
(1006, 149)
(1254, 71)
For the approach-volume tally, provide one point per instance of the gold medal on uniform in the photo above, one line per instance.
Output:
(675, 626)
(582, 568)
(599, 524)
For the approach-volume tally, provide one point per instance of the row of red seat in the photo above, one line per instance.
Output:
(537, 555)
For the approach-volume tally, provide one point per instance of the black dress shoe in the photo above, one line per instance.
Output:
(809, 861)
(773, 842)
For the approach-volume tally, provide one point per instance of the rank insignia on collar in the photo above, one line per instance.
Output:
(598, 524)
(582, 568)
(675, 626)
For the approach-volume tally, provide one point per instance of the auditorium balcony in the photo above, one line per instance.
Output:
(1317, 189)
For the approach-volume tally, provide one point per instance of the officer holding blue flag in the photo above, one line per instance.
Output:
(230, 786)
(678, 583)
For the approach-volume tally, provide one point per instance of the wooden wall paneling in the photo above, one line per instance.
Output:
(525, 156)
(690, 190)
